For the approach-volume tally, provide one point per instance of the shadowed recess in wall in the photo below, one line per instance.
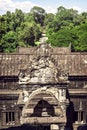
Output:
(43, 108)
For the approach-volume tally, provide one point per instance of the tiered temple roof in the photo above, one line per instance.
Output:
(73, 62)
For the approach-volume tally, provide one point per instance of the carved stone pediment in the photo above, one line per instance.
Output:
(42, 69)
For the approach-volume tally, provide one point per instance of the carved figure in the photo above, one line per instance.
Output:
(23, 78)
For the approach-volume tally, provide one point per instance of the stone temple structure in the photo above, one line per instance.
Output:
(43, 86)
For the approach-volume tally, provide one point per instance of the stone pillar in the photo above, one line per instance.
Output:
(62, 126)
(79, 116)
(16, 118)
(3, 118)
(54, 127)
(84, 117)
(0, 119)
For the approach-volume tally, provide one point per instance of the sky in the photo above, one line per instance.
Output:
(50, 6)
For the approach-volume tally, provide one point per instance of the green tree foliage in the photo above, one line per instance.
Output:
(64, 14)
(48, 18)
(24, 29)
(29, 17)
(68, 27)
(38, 14)
(30, 33)
(9, 42)
(84, 16)
(17, 19)
(81, 34)
(61, 38)
(54, 25)
(3, 26)
(18, 29)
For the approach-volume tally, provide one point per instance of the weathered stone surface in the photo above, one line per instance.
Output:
(37, 84)
(43, 120)
(42, 69)
(75, 63)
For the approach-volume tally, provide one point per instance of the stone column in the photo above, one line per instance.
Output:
(84, 117)
(79, 116)
(16, 118)
(62, 126)
(54, 127)
(0, 119)
(3, 118)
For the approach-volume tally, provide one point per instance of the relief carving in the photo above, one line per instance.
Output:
(42, 69)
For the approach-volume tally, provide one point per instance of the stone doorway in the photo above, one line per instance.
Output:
(43, 109)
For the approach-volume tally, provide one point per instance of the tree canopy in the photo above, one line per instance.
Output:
(64, 27)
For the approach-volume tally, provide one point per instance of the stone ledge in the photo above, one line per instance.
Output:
(42, 120)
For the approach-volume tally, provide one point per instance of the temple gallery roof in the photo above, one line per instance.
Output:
(74, 63)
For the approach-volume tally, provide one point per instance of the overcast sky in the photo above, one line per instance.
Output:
(49, 5)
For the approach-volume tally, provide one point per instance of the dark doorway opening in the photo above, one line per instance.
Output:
(75, 116)
(43, 109)
(42, 127)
